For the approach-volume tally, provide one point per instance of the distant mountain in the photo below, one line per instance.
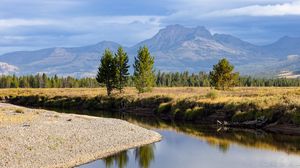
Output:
(176, 48)
(6, 69)
(284, 47)
(77, 61)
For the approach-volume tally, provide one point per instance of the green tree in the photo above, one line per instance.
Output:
(14, 82)
(144, 77)
(121, 62)
(222, 76)
(107, 71)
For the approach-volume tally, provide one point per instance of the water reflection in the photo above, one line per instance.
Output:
(120, 159)
(178, 150)
(205, 145)
(225, 137)
(143, 155)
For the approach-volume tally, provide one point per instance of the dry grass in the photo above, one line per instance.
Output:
(264, 97)
(180, 103)
(176, 92)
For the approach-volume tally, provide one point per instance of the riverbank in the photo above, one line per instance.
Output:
(269, 108)
(42, 138)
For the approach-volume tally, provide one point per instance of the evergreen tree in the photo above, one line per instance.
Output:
(144, 77)
(107, 71)
(14, 82)
(222, 76)
(121, 62)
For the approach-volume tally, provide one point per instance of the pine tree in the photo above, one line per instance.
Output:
(144, 77)
(222, 76)
(107, 71)
(14, 82)
(121, 62)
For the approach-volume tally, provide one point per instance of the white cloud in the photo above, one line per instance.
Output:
(46, 23)
(76, 31)
(292, 8)
(90, 22)
(8, 23)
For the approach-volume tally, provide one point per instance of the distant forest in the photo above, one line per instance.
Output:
(163, 79)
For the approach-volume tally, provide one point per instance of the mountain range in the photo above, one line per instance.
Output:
(175, 48)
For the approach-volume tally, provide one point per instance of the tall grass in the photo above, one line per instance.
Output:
(239, 104)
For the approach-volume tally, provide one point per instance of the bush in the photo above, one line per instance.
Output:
(164, 108)
(188, 114)
(19, 111)
(243, 116)
(212, 95)
(192, 114)
(198, 112)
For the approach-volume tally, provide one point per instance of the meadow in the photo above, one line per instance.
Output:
(195, 104)
(174, 92)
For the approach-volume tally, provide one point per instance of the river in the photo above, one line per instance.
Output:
(198, 146)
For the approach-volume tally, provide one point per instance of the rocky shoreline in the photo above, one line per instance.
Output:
(42, 138)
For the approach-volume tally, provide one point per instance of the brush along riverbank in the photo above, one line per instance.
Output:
(42, 138)
(271, 109)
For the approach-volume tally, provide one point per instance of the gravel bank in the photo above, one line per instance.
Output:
(41, 138)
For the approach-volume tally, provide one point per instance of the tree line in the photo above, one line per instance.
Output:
(44, 81)
(113, 73)
(162, 79)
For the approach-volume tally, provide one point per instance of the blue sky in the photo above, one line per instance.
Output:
(34, 24)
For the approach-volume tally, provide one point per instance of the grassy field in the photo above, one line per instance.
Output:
(174, 92)
(265, 96)
(188, 103)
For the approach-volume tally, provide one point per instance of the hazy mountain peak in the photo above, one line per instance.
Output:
(285, 46)
(202, 32)
(288, 39)
(174, 36)
(186, 31)
(106, 42)
(171, 30)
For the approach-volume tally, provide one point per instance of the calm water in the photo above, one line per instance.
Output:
(190, 146)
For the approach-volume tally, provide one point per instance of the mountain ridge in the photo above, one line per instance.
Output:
(175, 47)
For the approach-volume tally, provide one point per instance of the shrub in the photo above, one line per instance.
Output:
(164, 108)
(243, 116)
(198, 112)
(212, 95)
(192, 114)
(19, 111)
(188, 114)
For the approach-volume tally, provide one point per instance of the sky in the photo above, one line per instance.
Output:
(35, 24)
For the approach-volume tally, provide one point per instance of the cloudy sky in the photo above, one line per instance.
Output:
(34, 24)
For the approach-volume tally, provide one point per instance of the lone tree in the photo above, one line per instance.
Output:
(122, 74)
(107, 71)
(144, 77)
(222, 77)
